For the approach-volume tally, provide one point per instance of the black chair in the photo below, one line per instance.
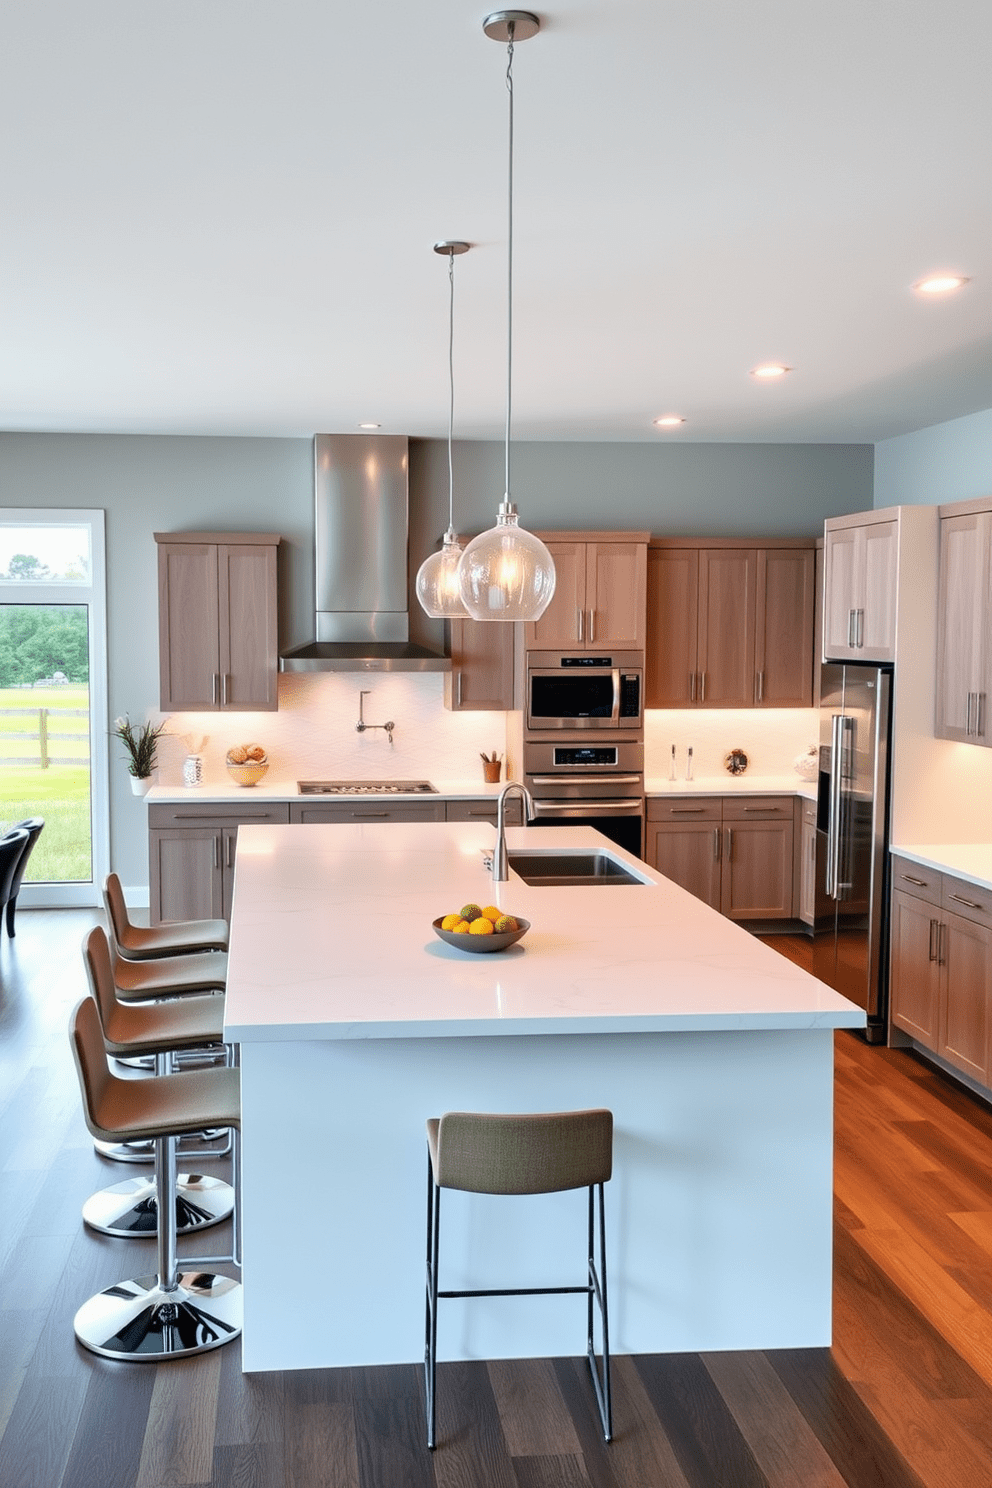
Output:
(32, 827)
(12, 848)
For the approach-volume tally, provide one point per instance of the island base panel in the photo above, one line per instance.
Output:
(718, 1213)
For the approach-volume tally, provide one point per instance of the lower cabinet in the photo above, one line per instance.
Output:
(485, 809)
(806, 884)
(191, 856)
(735, 854)
(940, 977)
(367, 810)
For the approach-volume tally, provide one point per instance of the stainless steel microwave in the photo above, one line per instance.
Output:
(579, 690)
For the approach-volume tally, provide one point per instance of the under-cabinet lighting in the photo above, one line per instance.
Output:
(769, 370)
(938, 284)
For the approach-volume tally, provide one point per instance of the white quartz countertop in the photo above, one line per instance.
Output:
(971, 861)
(732, 785)
(274, 788)
(331, 938)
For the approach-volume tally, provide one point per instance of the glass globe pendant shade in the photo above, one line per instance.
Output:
(507, 573)
(439, 581)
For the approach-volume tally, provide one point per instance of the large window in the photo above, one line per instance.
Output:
(53, 698)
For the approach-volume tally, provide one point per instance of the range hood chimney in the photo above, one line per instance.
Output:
(361, 528)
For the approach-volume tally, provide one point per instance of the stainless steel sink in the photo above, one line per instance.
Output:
(557, 868)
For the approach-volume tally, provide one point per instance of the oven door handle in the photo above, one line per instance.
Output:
(586, 779)
(625, 806)
(615, 715)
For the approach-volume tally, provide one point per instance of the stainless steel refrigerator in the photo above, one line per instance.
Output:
(851, 927)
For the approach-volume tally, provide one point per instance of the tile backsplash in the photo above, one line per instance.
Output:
(771, 738)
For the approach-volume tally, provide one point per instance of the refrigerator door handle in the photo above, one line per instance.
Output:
(833, 823)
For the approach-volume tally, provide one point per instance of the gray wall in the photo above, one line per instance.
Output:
(154, 483)
(947, 462)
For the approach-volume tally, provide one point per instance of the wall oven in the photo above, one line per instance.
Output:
(572, 691)
(578, 783)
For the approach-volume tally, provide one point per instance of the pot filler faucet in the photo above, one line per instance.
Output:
(501, 867)
(361, 725)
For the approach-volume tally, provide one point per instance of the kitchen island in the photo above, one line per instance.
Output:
(356, 1024)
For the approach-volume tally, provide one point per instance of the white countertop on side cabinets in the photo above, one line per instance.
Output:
(276, 788)
(971, 861)
(732, 785)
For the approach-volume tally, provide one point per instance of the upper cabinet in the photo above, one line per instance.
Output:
(600, 593)
(964, 624)
(730, 624)
(482, 667)
(860, 581)
(218, 632)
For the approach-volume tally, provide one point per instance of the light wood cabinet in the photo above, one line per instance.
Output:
(482, 667)
(191, 856)
(218, 625)
(860, 579)
(964, 626)
(941, 966)
(600, 593)
(730, 625)
(806, 887)
(484, 809)
(381, 809)
(736, 855)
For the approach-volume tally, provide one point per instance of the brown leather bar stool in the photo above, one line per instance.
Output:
(171, 938)
(173, 1313)
(159, 1029)
(538, 1154)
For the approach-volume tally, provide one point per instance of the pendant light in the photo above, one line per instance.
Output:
(438, 580)
(507, 573)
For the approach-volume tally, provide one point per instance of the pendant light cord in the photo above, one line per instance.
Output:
(509, 258)
(451, 387)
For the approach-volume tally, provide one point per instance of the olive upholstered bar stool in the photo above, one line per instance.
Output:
(527, 1154)
(175, 1312)
(170, 938)
(159, 1029)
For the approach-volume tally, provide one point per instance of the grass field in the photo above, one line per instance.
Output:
(61, 794)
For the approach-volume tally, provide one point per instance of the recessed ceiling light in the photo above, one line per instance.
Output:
(770, 369)
(370, 426)
(938, 284)
(669, 421)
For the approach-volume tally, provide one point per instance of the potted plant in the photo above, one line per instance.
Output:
(140, 746)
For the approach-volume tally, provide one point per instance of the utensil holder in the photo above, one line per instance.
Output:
(491, 770)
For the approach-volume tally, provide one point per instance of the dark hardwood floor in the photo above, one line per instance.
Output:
(903, 1399)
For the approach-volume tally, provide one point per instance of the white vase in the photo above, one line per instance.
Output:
(141, 784)
(193, 769)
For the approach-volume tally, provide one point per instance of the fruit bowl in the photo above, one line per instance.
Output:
(482, 943)
(250, 773)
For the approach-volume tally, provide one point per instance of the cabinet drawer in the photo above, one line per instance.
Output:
(758, 808)
(966, 899)
(374, 811)
(217, 814)
(914, 879)
(685, 808)
(809, 812)
(484, 810)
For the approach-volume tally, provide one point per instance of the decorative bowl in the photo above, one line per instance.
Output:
(250, 773)
(477, 943)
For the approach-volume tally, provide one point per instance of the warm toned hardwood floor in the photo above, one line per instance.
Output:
(902, 1399)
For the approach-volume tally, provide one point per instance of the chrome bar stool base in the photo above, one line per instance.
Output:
(139, 1320)
(126, 1152)
(130, 1209)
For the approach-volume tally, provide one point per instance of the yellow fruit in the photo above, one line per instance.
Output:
(470, 911)
(481, 926)
(450, 921)
(492, 913)
(504, 924)
(462, 928)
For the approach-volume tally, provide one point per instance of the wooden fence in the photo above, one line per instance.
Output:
(44, 735)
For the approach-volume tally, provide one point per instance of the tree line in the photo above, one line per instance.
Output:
(36, 641)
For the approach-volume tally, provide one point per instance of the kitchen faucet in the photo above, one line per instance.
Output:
(361, 725)
(501, 867)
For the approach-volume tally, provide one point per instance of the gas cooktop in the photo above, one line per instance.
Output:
(366, 788)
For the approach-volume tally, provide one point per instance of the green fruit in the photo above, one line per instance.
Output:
(505, 923)
(471, 912)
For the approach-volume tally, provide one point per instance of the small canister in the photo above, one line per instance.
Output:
(193, 769)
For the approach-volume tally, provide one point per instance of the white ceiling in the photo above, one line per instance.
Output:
(218, 217)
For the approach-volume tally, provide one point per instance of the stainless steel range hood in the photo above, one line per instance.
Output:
(361, 528)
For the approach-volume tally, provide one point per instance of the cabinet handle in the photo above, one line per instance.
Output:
(685, 810)
(920, 883)
(860, 629)
(229, 853)
(932, 953)
(942, 945)
(216, 854)
(766, 809)
(214, 678)
(592, 627)
(579, 617)
(759, 687)
(716, 844)
(223, 689)
(967, 720)
(692, 687)
(702, 687)
(364, 815)
(730, 841)
(850, 629)
(459, 685)
(958, 899)
(980, 718)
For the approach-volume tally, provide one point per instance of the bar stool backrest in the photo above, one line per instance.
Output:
(116, 907)
(32, 825)
(100, 972)
(543, 1153)
(96, 1083)
(12, 848)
